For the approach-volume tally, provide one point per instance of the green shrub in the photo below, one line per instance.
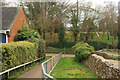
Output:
(16, 53)
(82, 51)
(26, 34)
(32, 36)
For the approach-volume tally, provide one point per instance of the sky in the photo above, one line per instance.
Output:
(94, 2)
(73, 1)
(97, 2)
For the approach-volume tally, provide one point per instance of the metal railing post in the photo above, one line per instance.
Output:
(53, 61)
(24, 67)
(51, 66)
(46, 67)
(8, 74)
(42, 74)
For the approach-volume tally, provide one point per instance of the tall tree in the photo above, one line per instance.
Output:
(75, 28)
(46, 16)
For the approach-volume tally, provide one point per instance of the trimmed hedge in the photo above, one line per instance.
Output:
(17, 53)
(82, 51)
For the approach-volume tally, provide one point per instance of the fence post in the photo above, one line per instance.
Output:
(51, 66)
(53, 61)
(8, 74)
(46, 67)
(42, 74)
(24, 67)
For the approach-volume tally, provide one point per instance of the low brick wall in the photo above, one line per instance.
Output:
(104, 68)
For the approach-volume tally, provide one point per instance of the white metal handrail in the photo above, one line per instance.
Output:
(54, 60)
(7, 71)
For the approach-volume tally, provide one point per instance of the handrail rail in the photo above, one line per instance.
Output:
(52, 66)
(7, 71)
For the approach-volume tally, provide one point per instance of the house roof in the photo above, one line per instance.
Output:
(9, 15)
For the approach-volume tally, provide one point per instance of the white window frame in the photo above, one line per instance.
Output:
(4, 31)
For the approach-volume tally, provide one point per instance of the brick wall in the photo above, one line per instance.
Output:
(17, 25)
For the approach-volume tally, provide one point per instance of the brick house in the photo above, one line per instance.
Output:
(13, 18)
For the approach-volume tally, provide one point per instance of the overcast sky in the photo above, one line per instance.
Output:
(73, 1)
(98, 1)
(95, 2)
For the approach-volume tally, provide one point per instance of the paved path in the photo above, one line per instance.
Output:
(64, 55)
(36, 72)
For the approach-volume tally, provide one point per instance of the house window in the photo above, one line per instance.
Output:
(2, 38)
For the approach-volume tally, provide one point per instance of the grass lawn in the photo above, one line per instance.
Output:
(69, 68)
(58, 50)
(105, 39)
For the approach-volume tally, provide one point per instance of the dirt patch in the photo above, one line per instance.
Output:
(50, 47)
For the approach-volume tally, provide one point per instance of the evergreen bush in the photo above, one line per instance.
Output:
(82, 51)
(26, 34)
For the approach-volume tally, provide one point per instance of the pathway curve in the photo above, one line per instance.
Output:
(36, 72)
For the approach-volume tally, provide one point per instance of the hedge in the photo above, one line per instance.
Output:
(17, 53)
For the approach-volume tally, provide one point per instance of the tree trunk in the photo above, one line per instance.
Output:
(44, 34)
(112, 38)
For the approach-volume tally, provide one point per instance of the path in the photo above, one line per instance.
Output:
(36, 72)
(64, 55)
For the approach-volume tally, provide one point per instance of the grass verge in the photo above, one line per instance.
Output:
(69, 68)
(58, 50)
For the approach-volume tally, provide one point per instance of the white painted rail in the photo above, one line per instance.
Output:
(23, 65)
(49, 68)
